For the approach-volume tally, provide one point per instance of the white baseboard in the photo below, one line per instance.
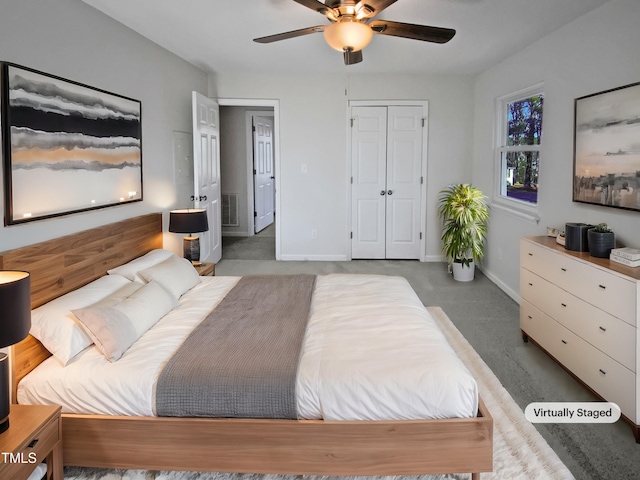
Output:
(434, 258)
(515, 296)
(314, 258)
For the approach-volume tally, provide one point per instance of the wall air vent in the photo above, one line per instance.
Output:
(230, 210)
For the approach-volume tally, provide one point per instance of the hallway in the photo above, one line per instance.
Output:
(261, 246)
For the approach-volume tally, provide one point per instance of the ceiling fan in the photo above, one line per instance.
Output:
(352, 26)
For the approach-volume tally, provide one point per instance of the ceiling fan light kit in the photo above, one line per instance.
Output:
(352, 27)
(349, 35)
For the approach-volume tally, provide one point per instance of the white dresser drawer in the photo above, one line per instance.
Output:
(610, 292)
(604, 331)
(604, 375)
(537, 259)
(607, 291)
(538, 326)
(552, 336)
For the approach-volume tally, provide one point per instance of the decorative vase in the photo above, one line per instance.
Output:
(600, 243)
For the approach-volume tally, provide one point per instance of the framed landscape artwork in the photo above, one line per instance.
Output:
(66, 147)
(606, 168)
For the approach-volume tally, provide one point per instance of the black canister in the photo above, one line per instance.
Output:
(576, 237)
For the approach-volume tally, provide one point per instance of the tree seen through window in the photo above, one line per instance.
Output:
(520, 164)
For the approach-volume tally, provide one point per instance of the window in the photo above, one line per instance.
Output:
(519, 144)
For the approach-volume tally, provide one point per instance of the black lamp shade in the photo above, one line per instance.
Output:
(188, 221)
(15, 306)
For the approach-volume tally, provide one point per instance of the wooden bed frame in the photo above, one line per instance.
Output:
(228, 445)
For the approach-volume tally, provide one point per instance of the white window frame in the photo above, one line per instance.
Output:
(500, 199)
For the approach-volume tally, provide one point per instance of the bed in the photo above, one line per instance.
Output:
(320, 446)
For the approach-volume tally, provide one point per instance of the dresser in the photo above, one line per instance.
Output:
(584, 312)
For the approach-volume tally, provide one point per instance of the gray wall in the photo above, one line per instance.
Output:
(594, 53)
(599, 51)
(313, 131)
(72, 40)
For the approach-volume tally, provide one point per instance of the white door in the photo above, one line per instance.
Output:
(386, 153)
(369, 183)
(263, 175)
(404, 177)
(206, 173)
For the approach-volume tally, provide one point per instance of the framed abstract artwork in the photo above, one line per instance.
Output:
(66, 147)
(606, 167)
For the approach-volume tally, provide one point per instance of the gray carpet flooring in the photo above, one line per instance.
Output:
(261, 246)
(488, 318)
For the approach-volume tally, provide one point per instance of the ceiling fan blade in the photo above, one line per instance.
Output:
(351, 57)
(313, 5)
(371, 8)
(415, 32)
(292, 34)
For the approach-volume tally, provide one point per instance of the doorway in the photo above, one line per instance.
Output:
(248, 183)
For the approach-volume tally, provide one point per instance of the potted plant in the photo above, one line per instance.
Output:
(464, 213)
(601, 240)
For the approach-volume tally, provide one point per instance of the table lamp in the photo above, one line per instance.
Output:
(189, 221)
(15, 322)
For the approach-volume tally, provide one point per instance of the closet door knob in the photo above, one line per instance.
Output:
(382, 192)
(389, 192)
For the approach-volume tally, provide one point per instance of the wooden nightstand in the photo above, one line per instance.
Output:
(206, 269)
(34, 435)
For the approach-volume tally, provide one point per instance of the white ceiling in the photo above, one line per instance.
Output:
(216, 35)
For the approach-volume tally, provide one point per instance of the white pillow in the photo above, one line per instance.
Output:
(114, 329)
(130, 270)
(175, 274)
(58, 329)
(119, 295)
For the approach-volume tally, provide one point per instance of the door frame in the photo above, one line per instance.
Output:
(275, 104)
(425, 143)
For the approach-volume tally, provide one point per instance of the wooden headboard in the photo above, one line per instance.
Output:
(64, 264)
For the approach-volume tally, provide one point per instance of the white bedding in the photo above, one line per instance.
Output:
(371, 352)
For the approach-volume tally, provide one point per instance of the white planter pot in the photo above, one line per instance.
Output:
(462, 273)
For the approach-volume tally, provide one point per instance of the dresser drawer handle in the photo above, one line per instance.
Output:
(529, 317)
(603, 329)
(604, 287)
(33, 443)
(530, 254)
(564, 305)
(563, 269)
(564, 341)
(602, 371)
(530, 284)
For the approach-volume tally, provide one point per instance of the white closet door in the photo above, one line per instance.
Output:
(404, 172)
(386, 156)
(369, 169)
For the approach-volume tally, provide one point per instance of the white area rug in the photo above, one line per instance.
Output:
(520, 452)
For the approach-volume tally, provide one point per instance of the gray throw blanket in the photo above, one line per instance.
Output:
(242, 360)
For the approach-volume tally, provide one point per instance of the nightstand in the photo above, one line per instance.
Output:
(34, 435)
(206, 269)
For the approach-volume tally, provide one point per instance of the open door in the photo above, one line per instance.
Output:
(206, 173)
(263, 174)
